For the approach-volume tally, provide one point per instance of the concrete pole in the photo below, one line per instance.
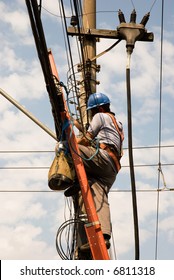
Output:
(87, 87)
(89, 50)
(89, 22)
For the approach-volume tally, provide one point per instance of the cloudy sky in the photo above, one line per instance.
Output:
(31, 214)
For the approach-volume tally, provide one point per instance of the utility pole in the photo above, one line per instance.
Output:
(87, 67)
(88, 86)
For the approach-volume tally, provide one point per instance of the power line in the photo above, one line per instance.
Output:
(51, 151)
(47, 167)
(25, 151)
(160, 124)
(112, 191)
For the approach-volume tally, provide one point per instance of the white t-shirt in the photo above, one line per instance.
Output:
(104, 129)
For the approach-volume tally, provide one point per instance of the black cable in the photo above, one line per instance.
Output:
(60, 231)
(134, 199)
(56, 98)
(70, 54)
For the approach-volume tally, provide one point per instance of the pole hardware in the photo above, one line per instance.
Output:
(132, 32)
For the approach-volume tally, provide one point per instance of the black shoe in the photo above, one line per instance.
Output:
(85, 247)
(73, 190)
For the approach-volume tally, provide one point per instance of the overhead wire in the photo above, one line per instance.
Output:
(51, 151)
(42, 51)
(112, 190)
(70, 55)
(71, 77)
(160, 127)
(84, 52)
(67, 48)
(132, 2)
(46, 167)
(152, 5)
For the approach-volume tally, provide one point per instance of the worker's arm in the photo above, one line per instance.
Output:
(77, 125)
(85, 140)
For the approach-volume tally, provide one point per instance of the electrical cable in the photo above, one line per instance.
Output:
(84, 54)
(131, 162)
(51, 151)
(47, 167)
(59, 234)
(112, 191)
(38, 33)
(160, 125)
(70, 55)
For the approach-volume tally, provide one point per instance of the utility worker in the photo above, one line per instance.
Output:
(104, 162)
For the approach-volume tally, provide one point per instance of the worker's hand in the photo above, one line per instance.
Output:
(78, 125)
(85, 140)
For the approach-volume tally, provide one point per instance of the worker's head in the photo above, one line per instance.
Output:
(98, 102)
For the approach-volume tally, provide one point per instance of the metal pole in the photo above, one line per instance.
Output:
(15, 103)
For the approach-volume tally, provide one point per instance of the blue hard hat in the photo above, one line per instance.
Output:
(97, 99)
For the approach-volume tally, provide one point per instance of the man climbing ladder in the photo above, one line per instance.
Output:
(101, 151)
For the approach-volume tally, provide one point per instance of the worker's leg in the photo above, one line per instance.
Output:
(102, 174)
(102, 207)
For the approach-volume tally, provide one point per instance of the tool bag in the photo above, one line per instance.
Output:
(61, 173)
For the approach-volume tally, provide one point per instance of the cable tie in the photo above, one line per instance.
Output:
(92, 224)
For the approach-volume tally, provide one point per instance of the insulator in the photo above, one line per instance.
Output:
(133, 16)
(145, 19)
(121, 16)
(73, 21)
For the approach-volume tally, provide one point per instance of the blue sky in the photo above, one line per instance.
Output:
(30, 216)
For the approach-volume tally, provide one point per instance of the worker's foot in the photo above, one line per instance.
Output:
(85, 247)
(73, 190)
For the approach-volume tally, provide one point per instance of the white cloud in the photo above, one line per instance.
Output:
(24, 242)
(16, 19)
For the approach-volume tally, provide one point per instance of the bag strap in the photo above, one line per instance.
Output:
(119, 132)
(116, 126)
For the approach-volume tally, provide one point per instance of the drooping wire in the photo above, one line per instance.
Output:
(160, 125)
